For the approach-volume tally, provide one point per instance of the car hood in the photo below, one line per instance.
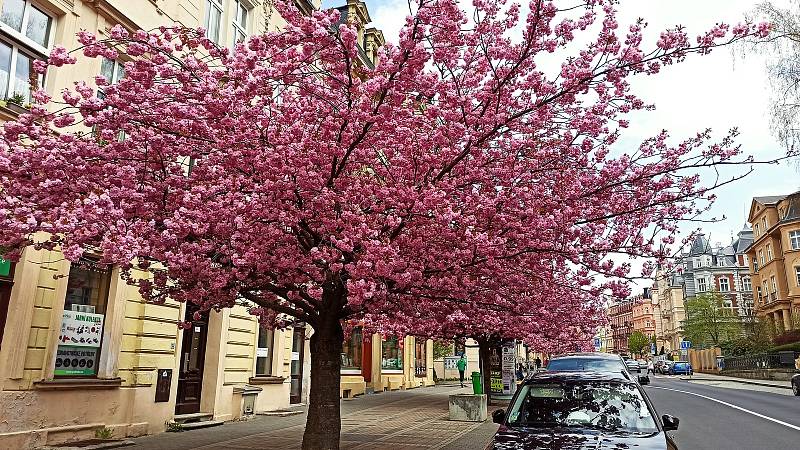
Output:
(529, 439)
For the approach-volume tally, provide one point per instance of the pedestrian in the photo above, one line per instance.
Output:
(650, 367)
(462, 366)
(520, 374)
(538, 363)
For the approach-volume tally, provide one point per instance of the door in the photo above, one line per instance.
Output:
(190, 376)
(298, 344)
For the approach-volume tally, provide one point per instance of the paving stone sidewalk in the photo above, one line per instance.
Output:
(403, 420)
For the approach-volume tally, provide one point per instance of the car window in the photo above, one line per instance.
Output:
(607, 406)
(584, 365)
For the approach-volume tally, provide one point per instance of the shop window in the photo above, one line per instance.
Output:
(392, 355)
(85, 304)
(420, 357)
(264, 352)
(6, 282)
(351, 351)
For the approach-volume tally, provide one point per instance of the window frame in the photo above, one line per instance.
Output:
(356, 345)
(236, 27)
(774, 284)
(702, 284)
(385, 368)
(794, 239)
(747, 284)
(727, 284)
(797, 275)
(220, 7)
(270, 352)
(420, 356)
(10, 90)
(761, 256)
(23, 38)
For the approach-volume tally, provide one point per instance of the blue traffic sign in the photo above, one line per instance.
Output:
(596, 342)
(653, 348)
(686, 345)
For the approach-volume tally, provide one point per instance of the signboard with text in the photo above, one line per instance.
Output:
(508, 363)
(81, 329)
(71, 360)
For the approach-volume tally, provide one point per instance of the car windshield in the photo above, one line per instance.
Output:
(600, 405)
(584, 365)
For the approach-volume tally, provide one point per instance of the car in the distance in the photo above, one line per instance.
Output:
(664, 369)
(681, 368)
(581, 410)
(642, 364)
(796, 384)
(595, 362)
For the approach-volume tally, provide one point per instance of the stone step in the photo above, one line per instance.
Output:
(194, 417)
(204, 424)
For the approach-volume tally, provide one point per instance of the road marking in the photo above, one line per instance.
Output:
(780, 422)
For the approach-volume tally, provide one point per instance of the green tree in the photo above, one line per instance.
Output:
(442, 349)
(709, 323)
(638, 343)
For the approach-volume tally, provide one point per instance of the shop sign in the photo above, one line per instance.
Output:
(262, 352)
(72, 360)
(81, 329)
(5, 267)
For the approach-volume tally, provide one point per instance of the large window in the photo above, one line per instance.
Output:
(724, 285)
(391, 354)
(747, 285)
(420, 357)
(112, 70)
(81, 334)
(701, 285)
(264, 352)
(794, 239)
(17, 77)
(351, 351)
(213, 19)
(23, 20)
(239, 22)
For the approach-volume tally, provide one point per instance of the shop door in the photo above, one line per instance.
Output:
(190, 376)
(298, 343)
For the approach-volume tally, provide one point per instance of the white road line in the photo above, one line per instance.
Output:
(780, 422)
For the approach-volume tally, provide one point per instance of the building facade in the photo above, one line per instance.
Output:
(620, 318)
(643, 314)
(775, 259)
(80, 349)
(668, 289)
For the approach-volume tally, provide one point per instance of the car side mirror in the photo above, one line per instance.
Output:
(644, 380)
(499, 416)
(670, 422)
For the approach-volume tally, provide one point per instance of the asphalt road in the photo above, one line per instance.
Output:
(706, 424)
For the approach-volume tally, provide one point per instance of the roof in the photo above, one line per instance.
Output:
(574, 377)
(769, 199)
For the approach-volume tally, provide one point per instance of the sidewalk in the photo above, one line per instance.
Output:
(402, 420)
(711, 377)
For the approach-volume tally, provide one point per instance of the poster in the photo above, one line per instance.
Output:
(495, 371)
(509, 359)
(73, 360)
(81, 329)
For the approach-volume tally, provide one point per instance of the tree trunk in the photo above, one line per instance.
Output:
(323, 425)
(484, 355)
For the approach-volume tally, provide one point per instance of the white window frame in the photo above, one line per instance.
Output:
(764, 223)
(747, 284)
(702, 285)
(12, 70)
(724, 287)
(761, 257)
(216, 4)
(774, 284)
(20, 35)
(769, 252)
(114, 70)
(236, 26)
(794, 239)
(270, 350)
(755, 227)
(797, 274)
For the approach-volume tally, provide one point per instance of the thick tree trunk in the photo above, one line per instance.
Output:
(323, 425)
(484, 357)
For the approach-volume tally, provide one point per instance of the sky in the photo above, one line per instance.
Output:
(718, 91)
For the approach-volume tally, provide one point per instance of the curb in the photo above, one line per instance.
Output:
(743, 381)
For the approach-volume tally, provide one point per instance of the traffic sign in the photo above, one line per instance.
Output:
(653, 348)
(597, 343)
(685, 345)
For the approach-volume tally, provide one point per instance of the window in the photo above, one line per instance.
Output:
(27, 23)
(794, 239)
(420, 357)
(701, 285)
(239, 22)
(391, 355)
(774, 285)
(724, 285)
(769, 252)
(747, 285)
(460, 347)
(761, 300)
(81, 334)
(761, 256)
(264, 352)
(755, 228)
(764, 223)
(112, 70)
(797, 274)
(766, 290)
(213, 19)
(17, 77)
(351, 351)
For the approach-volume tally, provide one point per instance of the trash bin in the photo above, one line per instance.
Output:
(477, 388)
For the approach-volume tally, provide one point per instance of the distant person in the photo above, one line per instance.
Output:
(650, 368)
(462, 366)
(520, 373)
(538, 363)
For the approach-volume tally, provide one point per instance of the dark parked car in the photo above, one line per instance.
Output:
(596, 362)
(681, 368)
(581, 410)
(796, 384)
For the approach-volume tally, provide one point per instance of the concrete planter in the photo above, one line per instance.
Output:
(468, 407)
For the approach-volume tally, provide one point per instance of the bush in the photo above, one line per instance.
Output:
(793, 346)
(788, 337)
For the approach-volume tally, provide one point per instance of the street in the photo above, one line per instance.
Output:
(709, 425)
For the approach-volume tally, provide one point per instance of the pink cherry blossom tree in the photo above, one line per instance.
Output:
(468, 177)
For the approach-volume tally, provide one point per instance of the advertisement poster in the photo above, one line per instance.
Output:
(71, 360)
(81, 329)
(496, 371)
(509, 376)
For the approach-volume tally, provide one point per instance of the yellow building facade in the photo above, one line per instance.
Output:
(80, 350)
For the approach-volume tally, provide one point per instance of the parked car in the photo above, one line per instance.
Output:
(796, 384)
(681, 368)
(595, 362)
(665, 368)
(642, 365)
(572, 410)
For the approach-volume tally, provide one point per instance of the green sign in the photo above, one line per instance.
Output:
(5, 267)
(79, 361)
